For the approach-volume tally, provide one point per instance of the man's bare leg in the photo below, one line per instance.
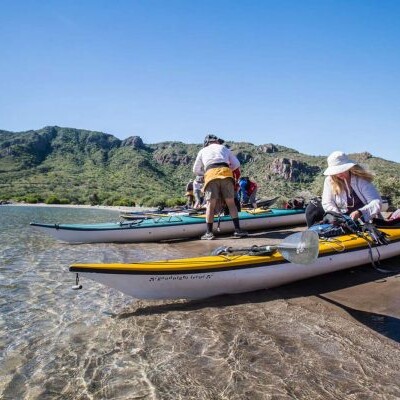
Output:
(233, 212)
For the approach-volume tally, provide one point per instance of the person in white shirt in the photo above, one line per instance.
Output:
(217, 163)
(348, 189)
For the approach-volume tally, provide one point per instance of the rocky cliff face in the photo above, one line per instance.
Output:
(36, 144)
(135, 142)
(244, 157)
(173, 159)
(174, 153)
(101, 141)
(363, 156)
(268, 148)
(290, 169)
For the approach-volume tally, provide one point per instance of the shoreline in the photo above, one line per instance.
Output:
(98, 207)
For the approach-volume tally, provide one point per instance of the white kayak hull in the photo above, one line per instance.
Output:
(164, 228)
(173, 281)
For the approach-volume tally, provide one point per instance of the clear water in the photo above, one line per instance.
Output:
(287, 343)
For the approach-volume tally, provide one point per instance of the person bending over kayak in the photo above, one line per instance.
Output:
(247, 191)
(216, 162)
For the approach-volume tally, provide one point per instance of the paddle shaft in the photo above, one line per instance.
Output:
(253, 249)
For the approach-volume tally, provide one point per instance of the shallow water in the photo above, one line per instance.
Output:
(331, 337)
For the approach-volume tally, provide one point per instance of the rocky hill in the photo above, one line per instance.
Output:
(65, 165)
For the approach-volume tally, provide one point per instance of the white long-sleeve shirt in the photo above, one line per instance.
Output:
(364, 189)
(213, 154)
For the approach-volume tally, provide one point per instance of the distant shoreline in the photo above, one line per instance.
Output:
(98, 207)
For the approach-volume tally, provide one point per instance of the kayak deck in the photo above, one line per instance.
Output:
(167, 220)
(334, 245)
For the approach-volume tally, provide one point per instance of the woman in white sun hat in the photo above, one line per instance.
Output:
(348, 189)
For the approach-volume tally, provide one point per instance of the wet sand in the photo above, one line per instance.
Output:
(363, 288)
(335, 336)
(331, 337)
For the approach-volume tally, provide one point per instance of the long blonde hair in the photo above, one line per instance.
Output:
(338, 185)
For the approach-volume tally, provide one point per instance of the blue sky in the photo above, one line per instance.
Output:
(316, 76)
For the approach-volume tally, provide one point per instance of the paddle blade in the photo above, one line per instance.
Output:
(300, 248)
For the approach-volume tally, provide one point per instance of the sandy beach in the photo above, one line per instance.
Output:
(361, 288)
(99, 207)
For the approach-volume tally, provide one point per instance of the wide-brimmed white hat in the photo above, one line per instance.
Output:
(338, 162)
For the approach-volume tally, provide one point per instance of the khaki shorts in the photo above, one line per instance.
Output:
(219, 189)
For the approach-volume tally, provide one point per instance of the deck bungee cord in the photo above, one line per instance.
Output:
(299, 248)
(339, 224)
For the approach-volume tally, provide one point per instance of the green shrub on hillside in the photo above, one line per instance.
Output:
(176, 201)
(33, 199)
(52, 200)
(157, 202)
(124, 203)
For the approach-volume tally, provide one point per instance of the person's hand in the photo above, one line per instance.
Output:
(356, 215)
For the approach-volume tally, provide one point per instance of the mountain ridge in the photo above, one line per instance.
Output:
(79, 166)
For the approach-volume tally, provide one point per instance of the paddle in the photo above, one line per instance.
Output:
(266, 203)
(298, 248)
